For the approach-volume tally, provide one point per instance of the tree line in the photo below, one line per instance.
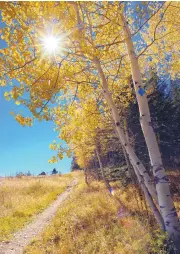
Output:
(53, 172)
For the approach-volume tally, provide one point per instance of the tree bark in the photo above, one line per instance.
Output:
(150, 201)
(131, 172)
(102, 170)
(134, 159)
(165, 201)
(147, 195)
(86, 176)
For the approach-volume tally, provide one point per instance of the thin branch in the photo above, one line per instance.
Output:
(117, 70)
(42, 75)
(59, 66)
(20, 67)
(148, 19)
(51, 91)
(154, 39)
(75, 94)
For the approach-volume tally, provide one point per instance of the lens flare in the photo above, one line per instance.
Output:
(51, 43)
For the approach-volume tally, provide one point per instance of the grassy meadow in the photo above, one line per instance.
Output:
(92, 221)
(24, 197)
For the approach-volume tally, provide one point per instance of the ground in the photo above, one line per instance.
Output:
(91, 220)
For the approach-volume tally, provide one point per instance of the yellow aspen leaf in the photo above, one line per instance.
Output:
(3, 83)
(60, 156)
(17, 103)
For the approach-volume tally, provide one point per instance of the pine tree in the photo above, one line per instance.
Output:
(166, 123)
(54, 172)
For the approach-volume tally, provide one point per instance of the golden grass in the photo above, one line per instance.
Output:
(22, 198)
(174, 178)
(88, 224)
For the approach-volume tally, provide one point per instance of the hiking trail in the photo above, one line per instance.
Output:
(23, 237)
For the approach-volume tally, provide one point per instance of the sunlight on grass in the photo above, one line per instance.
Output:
(21, 198)
(88, 223)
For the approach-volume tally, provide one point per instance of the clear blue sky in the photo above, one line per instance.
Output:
(25, 148)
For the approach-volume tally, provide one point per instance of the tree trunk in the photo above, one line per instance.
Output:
(131, 172)
(147, 195)
(102, 170)
(85, 176)
(166, 204)
(134, 159)
(150, 201)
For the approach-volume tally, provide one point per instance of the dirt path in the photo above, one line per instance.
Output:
(24, 237)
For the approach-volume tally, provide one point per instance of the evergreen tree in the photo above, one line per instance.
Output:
(54, 172)
(165, 114)
(42, 173)
(74, 165)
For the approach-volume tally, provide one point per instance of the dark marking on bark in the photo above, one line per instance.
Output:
(162, 206)
(156, 180)
(167, 223)
(158, 169)
(172, 214)
(149, 194)
(150, 124)
(135, 82)
(138, 163)
(125, 144)
(145, 172)
(117, 123)
(163, 179)
(104, 91)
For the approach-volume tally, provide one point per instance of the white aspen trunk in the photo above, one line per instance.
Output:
(124, 151)
(127, 160)
(150, 201)
(147, 195)
(128, 165)
(165, 201)
(134, 159)
(102, 170)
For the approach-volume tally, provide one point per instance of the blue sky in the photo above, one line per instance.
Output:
(25, 148)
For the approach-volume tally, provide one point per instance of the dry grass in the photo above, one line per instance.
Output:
(174, 178)
(88, 223)
(22, 198)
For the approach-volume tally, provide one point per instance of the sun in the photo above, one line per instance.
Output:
(51, 43)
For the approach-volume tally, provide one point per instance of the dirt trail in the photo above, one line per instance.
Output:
(24, 237)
